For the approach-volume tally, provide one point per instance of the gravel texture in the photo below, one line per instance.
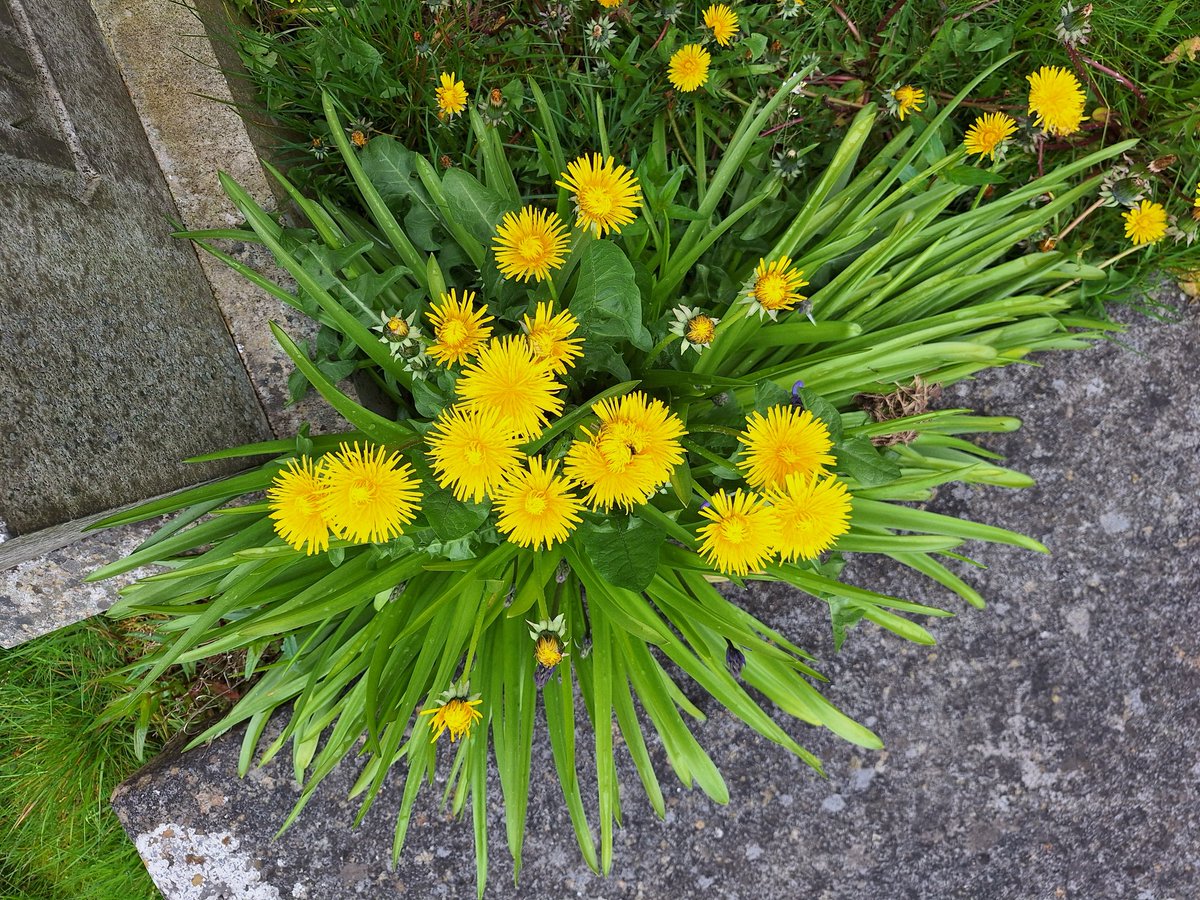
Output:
(1046, 748)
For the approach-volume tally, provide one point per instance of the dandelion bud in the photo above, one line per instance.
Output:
(734, 660)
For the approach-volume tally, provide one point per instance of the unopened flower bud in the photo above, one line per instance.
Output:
(734, 660)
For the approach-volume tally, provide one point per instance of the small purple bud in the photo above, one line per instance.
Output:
(796, 401)
(734, 660)
(705, 505)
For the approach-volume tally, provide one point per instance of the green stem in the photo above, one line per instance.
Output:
(713, 429)
(604, 148)
(659, 348)
(708, 362)
(679, 138)
(692, 447)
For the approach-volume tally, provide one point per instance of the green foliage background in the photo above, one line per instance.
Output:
(380, 61)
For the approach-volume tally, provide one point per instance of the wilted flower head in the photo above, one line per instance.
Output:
(788, 164)
(1121, 188)
(789, 9)
(550, 645)
(398, 332)
(555, 19)
(670, 11)
(1073, 26)
(318, 147)
(600, 33)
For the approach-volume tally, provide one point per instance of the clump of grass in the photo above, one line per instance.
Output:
(58, 835)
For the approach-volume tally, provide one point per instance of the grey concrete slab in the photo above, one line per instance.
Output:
(115, 361)
(1048, 747)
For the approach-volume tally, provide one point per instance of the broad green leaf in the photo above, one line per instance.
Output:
(624, 550)
(476, 208)
(859, 459)
(607, 304)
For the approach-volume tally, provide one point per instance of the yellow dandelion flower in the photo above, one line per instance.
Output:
(1056, 98)
(605, 195)
(632, 452)
(737, 538)
(549, 337)
(988, 132)
(548, 651)
(1196, 202)
(808, 515)
(906, 99)
(701, 330)
(776, 287)
(459, 330)
(451, 96)
(455, 713)
(1147, 223)
(529, 244)
(367, 495)
(786, 441)
(550, 645)
(697, 329)
(688, 68)
(609, 4)
(294, 499)
(508, 378)
(722, 21)
(536, 506)
(471, 451)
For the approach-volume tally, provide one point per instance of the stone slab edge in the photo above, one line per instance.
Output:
(170, 67)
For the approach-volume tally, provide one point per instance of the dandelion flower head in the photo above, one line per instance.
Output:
(786, 441)
(776, 286)
(633, 450)
(529, 244)
(451, 95)
(294, 499)
(906, 99)
(471, 451)
(368, 495)
(549, 337)
(722, 22)
(737, 538)
(1056, 100)
(1146, 223)
(688, 68)
(606, 194)
(459, 329)
(507, 377)
(988, 133)
(809, 514)
(536, 505)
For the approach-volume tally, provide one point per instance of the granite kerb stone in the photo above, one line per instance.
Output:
(170, 69)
